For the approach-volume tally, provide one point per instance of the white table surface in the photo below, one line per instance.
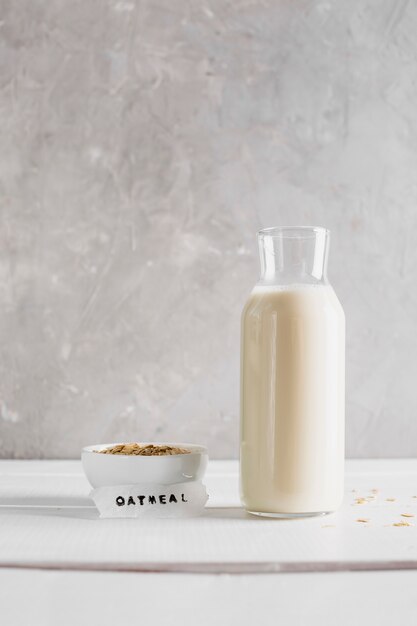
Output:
(239, 567)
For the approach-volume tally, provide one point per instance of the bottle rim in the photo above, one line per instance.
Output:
(293, 232)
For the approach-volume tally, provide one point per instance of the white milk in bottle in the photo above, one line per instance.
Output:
(292, 380)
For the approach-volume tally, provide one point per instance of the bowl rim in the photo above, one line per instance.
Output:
(195, 449)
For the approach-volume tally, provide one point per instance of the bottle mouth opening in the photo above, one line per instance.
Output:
(293, 232)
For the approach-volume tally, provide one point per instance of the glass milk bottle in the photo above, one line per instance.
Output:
(292, 380)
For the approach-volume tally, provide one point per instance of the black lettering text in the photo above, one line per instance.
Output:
(172, 498)
(183, 499)
(141, 499)
(120, 501)
(162, 499)
(152, 500)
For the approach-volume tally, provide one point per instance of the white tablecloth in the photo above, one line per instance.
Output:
(58, 561)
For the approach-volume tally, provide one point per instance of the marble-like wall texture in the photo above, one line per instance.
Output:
(143, 143)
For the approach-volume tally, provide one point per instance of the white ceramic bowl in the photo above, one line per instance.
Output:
(104, 470)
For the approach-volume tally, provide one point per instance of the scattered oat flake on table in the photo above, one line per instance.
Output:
(363, 520)
(375, 490)
(407, 515)
(361, 501)
(328, 526)
(403, 523)
(389, 499)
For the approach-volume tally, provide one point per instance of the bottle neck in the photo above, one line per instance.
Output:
(293, 255)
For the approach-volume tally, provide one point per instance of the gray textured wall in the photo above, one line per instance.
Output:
(142, 145)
